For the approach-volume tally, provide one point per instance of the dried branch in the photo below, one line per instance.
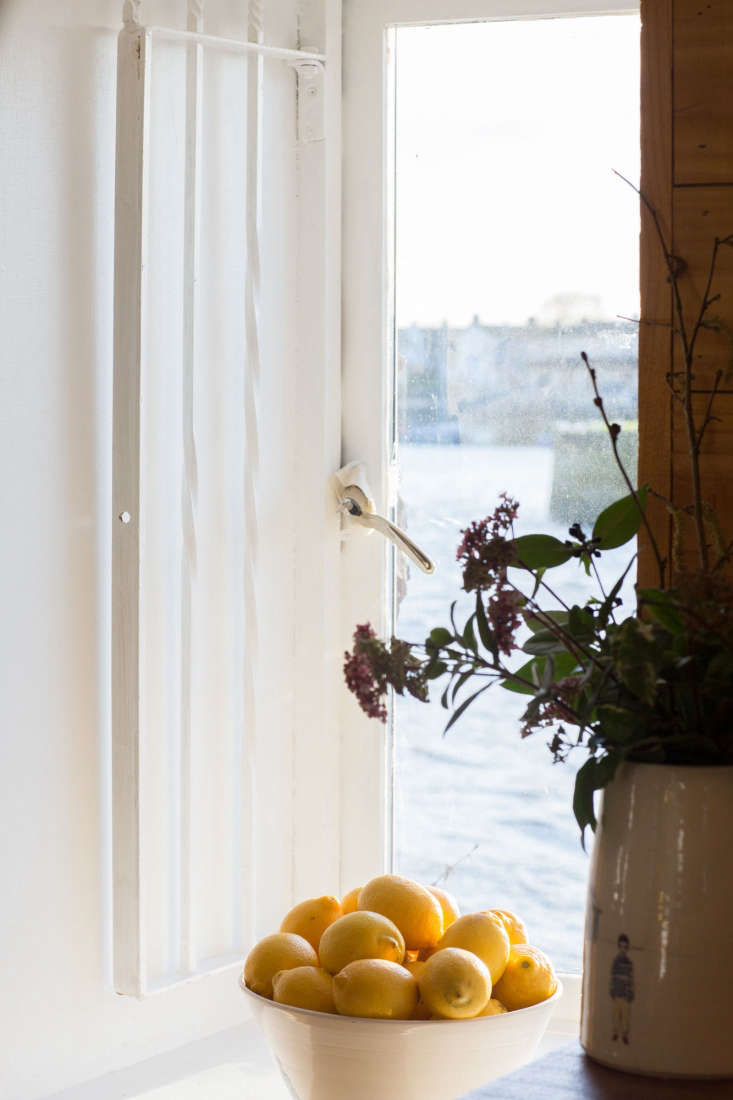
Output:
(709, 418)
(613, 432)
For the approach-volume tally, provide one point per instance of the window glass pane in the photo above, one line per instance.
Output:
(516, 249)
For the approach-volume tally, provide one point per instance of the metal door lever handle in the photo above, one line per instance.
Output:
(357, 504)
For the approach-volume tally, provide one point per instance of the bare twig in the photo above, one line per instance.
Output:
(671, 261)
(675, 267)
(708, 418)
(613, 432)
(644, 321)
(450, 868)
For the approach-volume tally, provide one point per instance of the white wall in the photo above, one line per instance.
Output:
(60, 1021)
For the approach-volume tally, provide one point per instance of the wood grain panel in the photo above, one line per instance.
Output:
(703, 91)
(718, 436)
(700, 215)
(655, 413)
(716, 469)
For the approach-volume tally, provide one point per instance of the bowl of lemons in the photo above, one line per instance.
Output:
(392, 993)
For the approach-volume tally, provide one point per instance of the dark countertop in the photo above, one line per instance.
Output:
(567, 1074)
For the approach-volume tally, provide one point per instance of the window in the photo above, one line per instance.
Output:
(500, 814)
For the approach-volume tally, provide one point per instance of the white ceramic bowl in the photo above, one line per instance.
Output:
(327, 1057)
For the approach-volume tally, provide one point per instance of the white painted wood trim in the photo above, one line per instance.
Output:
(189, 487)
(131, 167)
(251, 455)
(317, 798)
(385, 13)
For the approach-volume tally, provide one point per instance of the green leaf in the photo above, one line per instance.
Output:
(534, 623)
(468, 637)
(580, 624)
(593, 776)
(638, 657)
(540, 552)
(583, 798)
(544, 641)
(440, 636)
(661, 606)
(484, 630)
(620, 521)
(565, 664)
(462, 679)
(464, 706)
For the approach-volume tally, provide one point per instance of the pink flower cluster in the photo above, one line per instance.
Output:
(502, 611)
(555, 709)
(361, 677)
(486, 552)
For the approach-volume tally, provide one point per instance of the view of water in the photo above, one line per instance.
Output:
(480, 810)
(503, 274)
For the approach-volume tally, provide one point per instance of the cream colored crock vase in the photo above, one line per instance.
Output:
(658, 956)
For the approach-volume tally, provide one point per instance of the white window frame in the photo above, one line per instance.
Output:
(368, 291)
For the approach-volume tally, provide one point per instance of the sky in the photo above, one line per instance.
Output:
(506, 202)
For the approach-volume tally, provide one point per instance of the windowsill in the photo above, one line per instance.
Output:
(236, 1065)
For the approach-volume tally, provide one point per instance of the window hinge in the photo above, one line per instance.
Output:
(311, 115)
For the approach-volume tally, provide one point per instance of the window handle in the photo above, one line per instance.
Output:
(355, 501)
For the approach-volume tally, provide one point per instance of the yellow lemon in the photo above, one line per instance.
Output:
(494, 1007)
(348, 901)
(415, 966)
(311, 918)
(528, 979)
(304, 987)
(280, 951)
(447, 903)
(485, 935)
(422, 1012)
(415, 911)
(375, 988)
(360, 935)
(515, 927)
(455, 984)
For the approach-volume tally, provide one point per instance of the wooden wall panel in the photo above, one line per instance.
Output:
(655, 407)
(716, 462)
(700, 215)
(703, 104)
(687, 174)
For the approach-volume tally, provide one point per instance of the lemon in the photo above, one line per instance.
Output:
(311, 918)
(375, 988)
(280, 951)
(304, 987)
(493, 1007)
(455, 984)
(484, 935)
(515, 927)
(447, 903)
(528, 978)
(422, 1012)
(415, 966)
(348, 901)
(415, 911)
(360, 935)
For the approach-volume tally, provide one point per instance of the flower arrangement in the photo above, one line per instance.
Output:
(655, 686)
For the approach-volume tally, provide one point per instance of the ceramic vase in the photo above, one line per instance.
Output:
(658, 952)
